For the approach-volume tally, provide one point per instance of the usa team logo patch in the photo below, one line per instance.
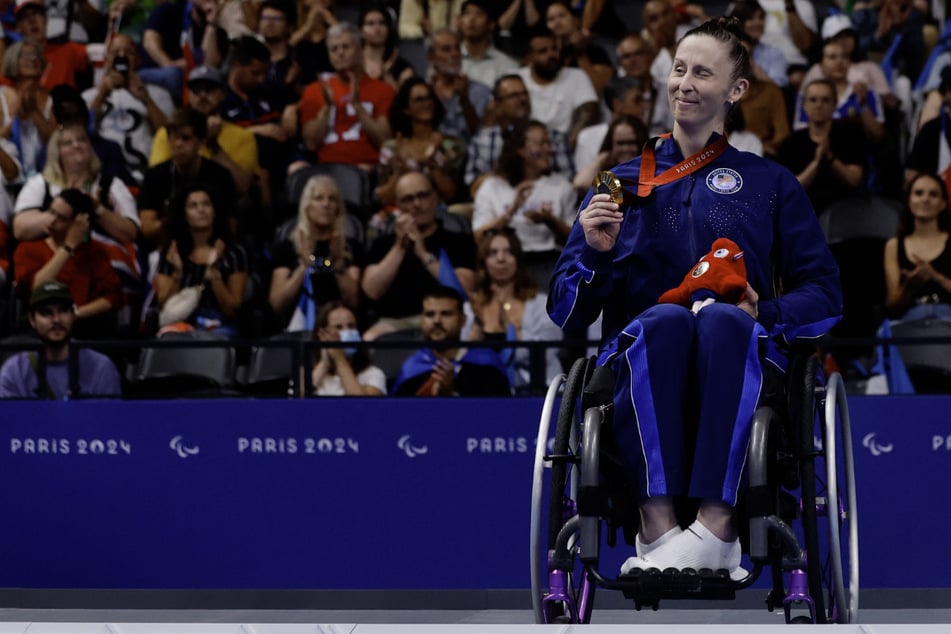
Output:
(724, 181)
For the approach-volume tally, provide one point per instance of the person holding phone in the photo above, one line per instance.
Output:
(687, 384)
(125, 109)
(67, 255)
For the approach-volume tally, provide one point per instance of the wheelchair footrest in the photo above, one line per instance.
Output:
(648, 587)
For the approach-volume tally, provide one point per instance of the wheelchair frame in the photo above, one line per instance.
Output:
(793, 473)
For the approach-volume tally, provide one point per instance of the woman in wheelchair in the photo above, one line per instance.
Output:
(687, 383)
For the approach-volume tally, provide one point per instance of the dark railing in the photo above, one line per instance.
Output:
(302, 353)
(300, 361)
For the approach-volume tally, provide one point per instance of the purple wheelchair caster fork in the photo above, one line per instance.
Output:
(799, 594)
(559, 594)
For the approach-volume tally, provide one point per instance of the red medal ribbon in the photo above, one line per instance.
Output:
(688, 166)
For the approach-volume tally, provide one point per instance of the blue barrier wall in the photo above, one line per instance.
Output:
(361, 493)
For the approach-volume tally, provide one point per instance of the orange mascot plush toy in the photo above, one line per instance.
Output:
(720, 275)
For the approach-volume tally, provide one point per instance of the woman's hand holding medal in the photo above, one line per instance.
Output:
(601, 219)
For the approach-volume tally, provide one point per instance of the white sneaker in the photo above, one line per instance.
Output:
(695, 548)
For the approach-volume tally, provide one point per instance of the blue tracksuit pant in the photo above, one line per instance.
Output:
(687, 386)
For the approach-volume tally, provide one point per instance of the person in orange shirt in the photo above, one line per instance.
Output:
(66, 62)
(67, 255)
(344, 115)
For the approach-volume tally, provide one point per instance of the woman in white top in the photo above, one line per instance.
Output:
(25, 105)
(523, 193)
(72, 162)
(343, 371)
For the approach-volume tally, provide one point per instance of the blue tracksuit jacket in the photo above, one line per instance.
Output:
(665, 359)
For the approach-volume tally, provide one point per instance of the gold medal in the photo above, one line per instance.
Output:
(607, 183)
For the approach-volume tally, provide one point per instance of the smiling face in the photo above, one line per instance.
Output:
(926, 199)
(537, 150)
(512, 100)
(701, 84)
(322, 208)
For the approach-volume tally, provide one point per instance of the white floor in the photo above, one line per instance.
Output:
(670, 621)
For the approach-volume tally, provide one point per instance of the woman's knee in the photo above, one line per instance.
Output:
(719, 320)
(668, 319)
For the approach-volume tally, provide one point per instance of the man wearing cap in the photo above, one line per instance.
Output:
(126, 109)
(52, 315)
(66, 62)
(839, 27)
(481, 60)
(228, 144)
(178, 36)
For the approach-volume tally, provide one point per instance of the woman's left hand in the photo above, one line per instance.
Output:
(749, 303)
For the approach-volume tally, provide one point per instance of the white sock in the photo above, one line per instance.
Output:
(694, 548)
(641, 549)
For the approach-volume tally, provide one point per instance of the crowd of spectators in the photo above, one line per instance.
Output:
(147, 151)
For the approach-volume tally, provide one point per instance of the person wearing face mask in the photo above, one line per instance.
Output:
(343, 371)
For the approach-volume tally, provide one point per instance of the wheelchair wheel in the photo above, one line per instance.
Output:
(554, 595)
(829, 512)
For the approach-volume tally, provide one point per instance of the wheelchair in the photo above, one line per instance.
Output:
(798, 517)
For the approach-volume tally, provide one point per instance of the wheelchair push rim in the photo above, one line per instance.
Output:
(538, 560)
